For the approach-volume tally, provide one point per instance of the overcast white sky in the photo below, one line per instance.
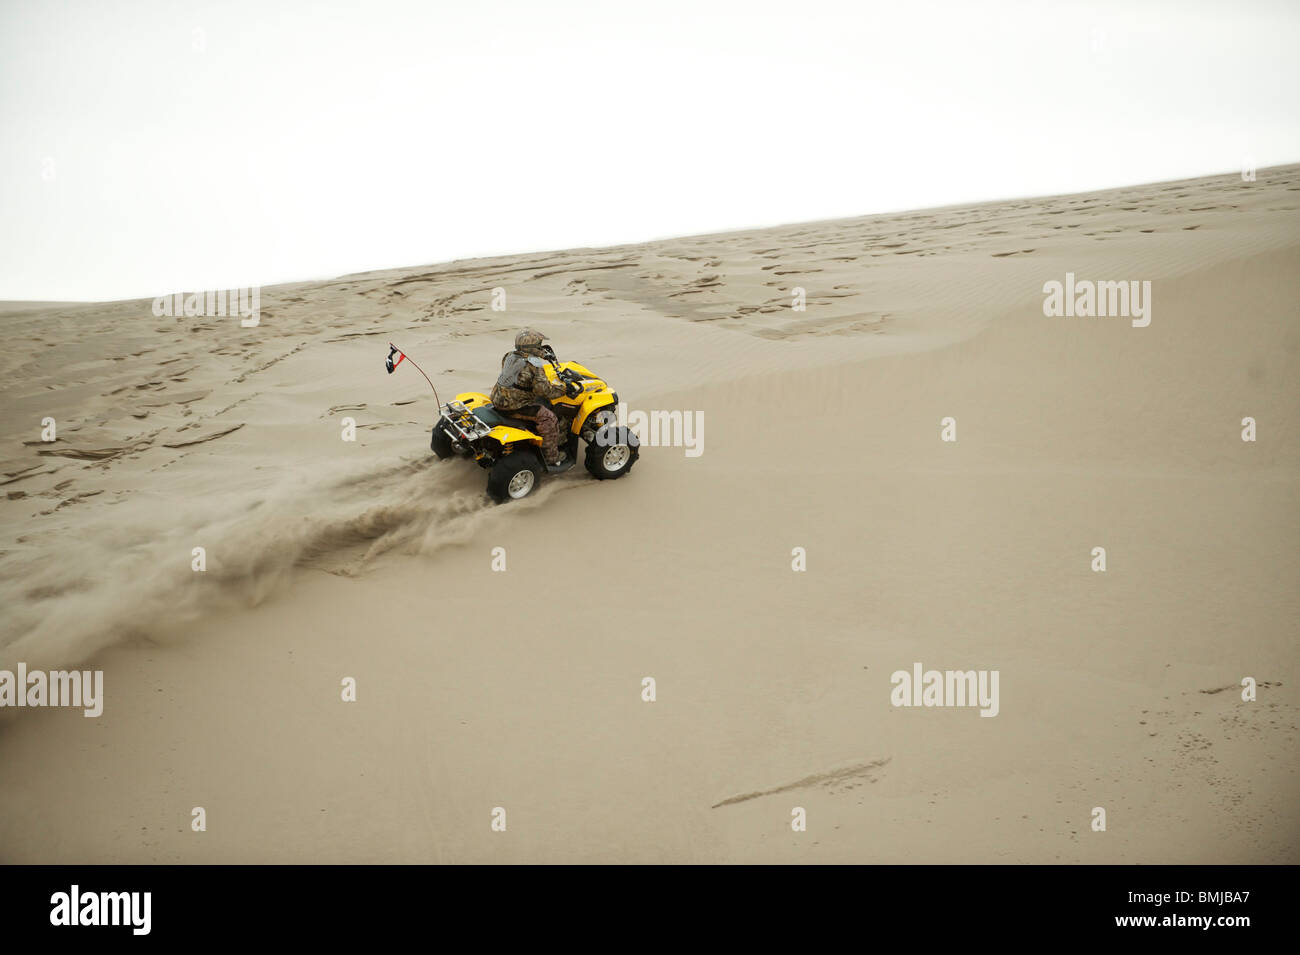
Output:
(151, 147)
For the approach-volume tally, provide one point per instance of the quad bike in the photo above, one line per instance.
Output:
(509, 449)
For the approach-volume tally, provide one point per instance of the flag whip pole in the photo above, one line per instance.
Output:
(394, 350)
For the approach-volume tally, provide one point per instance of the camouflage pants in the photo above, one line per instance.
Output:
(548, 426)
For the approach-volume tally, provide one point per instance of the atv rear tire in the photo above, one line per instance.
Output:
(612, 453)
(515, 476)
(441, 443)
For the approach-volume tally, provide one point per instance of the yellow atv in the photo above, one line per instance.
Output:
(510, 449)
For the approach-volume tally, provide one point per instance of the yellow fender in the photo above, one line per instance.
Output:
(507, 435)
(594, 403)
(502, 433)
(587, 401)
(574, 366)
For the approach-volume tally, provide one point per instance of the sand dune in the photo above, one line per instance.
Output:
(329, 559)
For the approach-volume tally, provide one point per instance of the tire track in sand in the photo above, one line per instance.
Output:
(829, 778)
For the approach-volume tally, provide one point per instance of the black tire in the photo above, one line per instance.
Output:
(612, 453)
(511, 470)
(440, 442)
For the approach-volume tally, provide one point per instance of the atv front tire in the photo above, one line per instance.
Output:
(612, 453)
(515, 476)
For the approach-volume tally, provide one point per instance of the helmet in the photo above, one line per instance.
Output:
(529, 338)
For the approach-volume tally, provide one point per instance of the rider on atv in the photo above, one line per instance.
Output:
(523, 382)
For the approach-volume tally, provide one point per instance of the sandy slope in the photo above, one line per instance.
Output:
(329, 559)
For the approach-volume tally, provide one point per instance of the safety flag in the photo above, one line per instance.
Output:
(388, 362)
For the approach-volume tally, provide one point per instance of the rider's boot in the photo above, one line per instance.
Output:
(562, 464)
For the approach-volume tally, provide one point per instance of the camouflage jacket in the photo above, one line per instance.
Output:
(522, 381)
